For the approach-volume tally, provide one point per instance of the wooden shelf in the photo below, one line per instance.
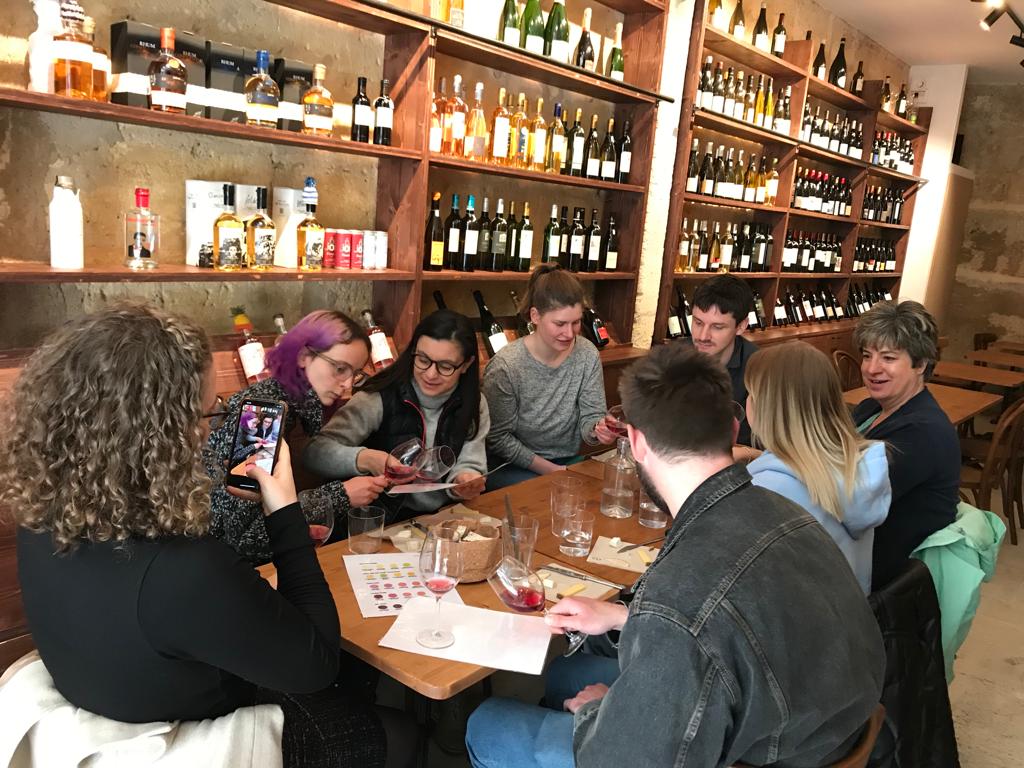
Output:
(880, 225)
(813, 275)
(709, 275)
(516, 61)
(480, 275)
(370, 15)
(804, 329)
(805, 149)
(849, 220)
(713, 121)
(45, 102)
(38, 272)
(459, 164)
(893, 123)
(741, 52)
(824, 90)
(873, 275)
(889, 173)
(695, 199)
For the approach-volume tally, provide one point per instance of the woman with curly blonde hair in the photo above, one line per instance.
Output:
(138, 615)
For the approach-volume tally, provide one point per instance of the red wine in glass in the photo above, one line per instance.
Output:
(319, 534)
(398, 474)
(441, 585)
(524, 599)
(617, 428)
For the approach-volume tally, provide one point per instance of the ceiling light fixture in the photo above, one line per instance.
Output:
(995, 3)
(1018, 40)
(992, 18)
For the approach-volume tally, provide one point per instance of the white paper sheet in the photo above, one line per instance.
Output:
(384, 583)
(494, 639)
(397, 490)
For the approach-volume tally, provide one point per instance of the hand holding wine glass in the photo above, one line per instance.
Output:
(441, 568)
(404, 462)
(611, 427)
(436, 463)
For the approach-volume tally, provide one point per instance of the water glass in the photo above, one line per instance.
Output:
(365, 530)
(519, 538)
(566, 498)
(577, 534)
(651, 515)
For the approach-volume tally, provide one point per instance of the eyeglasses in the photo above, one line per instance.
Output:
(218, 415)
(342, 370)
(423, 363)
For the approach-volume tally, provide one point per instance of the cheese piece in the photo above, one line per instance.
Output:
(616, 541)
(403, 534)
(485, 520)
(473, 536)
(544, 574)
(549, 583)
(573, 590)
(644, 556)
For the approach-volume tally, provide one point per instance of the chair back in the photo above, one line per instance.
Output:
(1006, 442)
(848, 368)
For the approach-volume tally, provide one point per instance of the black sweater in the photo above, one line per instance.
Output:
(924, 471)
(179, 628)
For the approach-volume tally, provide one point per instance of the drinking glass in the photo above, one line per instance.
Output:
(566, 498)
(739, 412)
(404, 461)
(521, 589)
(436, 463)
(321, 532)
(520, 537)
(616, 421)
(365, 530)
(651, 515)
(441, 569)
(577, 534)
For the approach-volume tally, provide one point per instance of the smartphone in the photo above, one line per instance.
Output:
(257, 434)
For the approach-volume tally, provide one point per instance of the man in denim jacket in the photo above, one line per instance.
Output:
(748, 640)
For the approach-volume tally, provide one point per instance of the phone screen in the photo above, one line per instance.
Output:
(257, 435)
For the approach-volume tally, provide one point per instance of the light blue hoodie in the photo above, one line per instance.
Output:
(867, 509)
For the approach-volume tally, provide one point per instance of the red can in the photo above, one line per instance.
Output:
(357, 249)
(330, 248)
(344, 253)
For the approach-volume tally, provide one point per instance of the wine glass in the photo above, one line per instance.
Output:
(321, 532)
(403, 463)
(441, 569)
(617, 421)
(437, 462)
(521, 589)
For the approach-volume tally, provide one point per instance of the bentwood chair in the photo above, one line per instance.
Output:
(848, 368)
(998, 462)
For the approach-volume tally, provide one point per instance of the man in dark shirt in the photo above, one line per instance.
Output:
(721, 308)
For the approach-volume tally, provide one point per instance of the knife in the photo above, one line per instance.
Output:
(583, 576)
(631, 547)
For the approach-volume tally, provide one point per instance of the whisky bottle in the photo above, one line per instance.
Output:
(260, 235)
(100, 63)
(141, 233)
(228, 233)
(310, 232)
(262, 94)
(72, 54)
(384, 116)
(168, 77)
(318, 106)
(362, 114)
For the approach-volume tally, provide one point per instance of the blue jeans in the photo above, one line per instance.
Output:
(511, 475)
(505, 733)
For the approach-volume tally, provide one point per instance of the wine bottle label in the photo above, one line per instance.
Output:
(719, 20)
(229, 246)
(576, 245)
(264, 242)
(718, 103)
(841, 81)
(472, 239)
(820, 73)
(456, 16)
(760, 195)
(436, 254)
(363, 115)
(313, 255)
(772, 190)
(706, 99)
(535, 44)
(625, 161)
(385, 117)
(435, 138)
(458, 123)
(499, 242)
(779, 46)
(617, 74)
(560, 51)
(526, 244)
(730, 106)
(691, 184)
(511, 36)
(590, 65)
(762, 41)
(558, 149)
(738, 111)
(839, 312)
(563, 242)
(611, 262)
(789, 257)
(317, 122)
(484, 247)
(608, 169)
(702, 262)
(780, 314)
(745, 262)
(453, 239)
(819, 313)
(675, 328)
(167, 99)
(540, 138)
(499, 144)
(888, 296)
(593, 166)
(380, 350)
(749, 194)
(261, 113)
(253, 359)
(708, 187)
(752, 319)
(726, 255)
(552, 249)
(498, 341)
(577, 153)
(594, 252)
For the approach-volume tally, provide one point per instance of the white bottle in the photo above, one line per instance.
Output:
(40, 59)
(67, 244)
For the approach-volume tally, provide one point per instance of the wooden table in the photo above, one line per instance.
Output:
(979, 374)
(1013, 347)
(1005, 359)
(958, 404)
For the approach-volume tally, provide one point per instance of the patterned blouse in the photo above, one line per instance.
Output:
(240, 522)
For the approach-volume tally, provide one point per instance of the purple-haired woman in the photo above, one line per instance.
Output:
(314, 366)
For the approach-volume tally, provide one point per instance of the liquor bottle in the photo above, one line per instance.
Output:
(168, 77)
(362, 113)
(500, 131)
(483, 250)
(456, 13)
(100, 62)
(552, 239)
(384, 116)
(524, 242)
(261, 94)
(519, 135)
(837, 72)
(577, 238)
(512, 247)
(576, 158)
(594, 330)
(616, 62)
(610, 247)
(260, 234)
(625, 150)
(737, 25)
(380, 350)
(469, 238)
(72, 54)
(761, 39)
(531, 28)
(455, 111)
(494, 336)
(228, 234)
(586, 57)
(508, 25)
(693, 167)
(536, 151)
(453, 235)
(475, 145)
(857, 84)
(433, 248)
(555, 156)
(438, 118)
(609, 155)
(251, 353)
(592, 151)
(818, 67)
(499, 240)
(556, 34)
(886, 96)
(142, 233)
(779, 37)
(523, 326)
(592, 245)
(310, 232)
(901, 102)
(318, 106)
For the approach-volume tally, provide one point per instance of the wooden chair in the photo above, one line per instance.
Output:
(998, 463)
(858, 758)
(982, 340)
(848, 368)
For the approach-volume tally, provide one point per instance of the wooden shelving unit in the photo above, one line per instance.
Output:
(33, 272)
(792, 69)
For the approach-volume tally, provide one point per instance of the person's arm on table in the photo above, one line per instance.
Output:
(593, 407)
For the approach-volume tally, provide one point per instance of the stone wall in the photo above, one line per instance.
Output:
(988, 295)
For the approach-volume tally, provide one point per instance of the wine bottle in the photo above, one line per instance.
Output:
(512, 247)
(586, 57)
(552, 238)
(685, 313)
(453, 235)
(594, 330)
(531, 28)
(519, 135)
(500, 131)
(779, 37)
(508, 24)
(384, 115)
(616, 62)
(433, 250)
(439, 300)
(625, 150)
(483, 250)
(380, 350)
(454, 139)
(737, 24)
(494, 336)
(563, 241)
(499, 240)
(706, 87)
(886, 95)
(538, 140)
(475, 143)
(592, 245)
(592, 151)
(716, 12)
(693, 167)
(555, 157)
(901, 102)
(556, 34)
(523, 326)
(577, 235)
(574, 163)
(609, 155)
(837, 72)
(524, 242)
(438, 117)
(761, 39)
(469, 229)
(362, 113)
(610, 247)
(818, 67)
(857, 84)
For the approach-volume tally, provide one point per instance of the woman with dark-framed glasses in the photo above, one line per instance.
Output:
(314, 367)
(431, 393)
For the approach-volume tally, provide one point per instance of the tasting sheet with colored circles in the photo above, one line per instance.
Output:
(384, 583)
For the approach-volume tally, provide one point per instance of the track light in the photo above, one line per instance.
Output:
(992, 18)
(995, 3)
(1018, 40)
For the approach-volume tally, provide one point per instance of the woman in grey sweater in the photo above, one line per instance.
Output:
(545, 391)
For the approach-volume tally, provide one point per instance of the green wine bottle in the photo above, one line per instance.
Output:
(556, 34)
(616, 63)
(508, 26)
(531, 28)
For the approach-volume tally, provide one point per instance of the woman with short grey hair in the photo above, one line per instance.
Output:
(899, 348)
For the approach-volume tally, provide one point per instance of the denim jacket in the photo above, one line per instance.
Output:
(749, 640)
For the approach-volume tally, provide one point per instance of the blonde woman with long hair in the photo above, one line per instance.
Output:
(814, 455)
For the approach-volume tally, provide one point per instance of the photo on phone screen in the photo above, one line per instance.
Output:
(257, 436)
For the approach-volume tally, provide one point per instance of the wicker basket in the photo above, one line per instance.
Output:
(479, 558)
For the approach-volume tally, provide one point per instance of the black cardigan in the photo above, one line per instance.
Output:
(924, 471)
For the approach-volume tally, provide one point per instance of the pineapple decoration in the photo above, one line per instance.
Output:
(242, 322)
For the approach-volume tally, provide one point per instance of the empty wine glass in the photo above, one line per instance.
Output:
(441, 568)
(403, 463)
(521, 589)
(321, 532)
(436, 463)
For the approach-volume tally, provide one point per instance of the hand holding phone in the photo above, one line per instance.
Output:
(257, 439)
(277, 489)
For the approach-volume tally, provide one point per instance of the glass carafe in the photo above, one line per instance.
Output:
(618, 494)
